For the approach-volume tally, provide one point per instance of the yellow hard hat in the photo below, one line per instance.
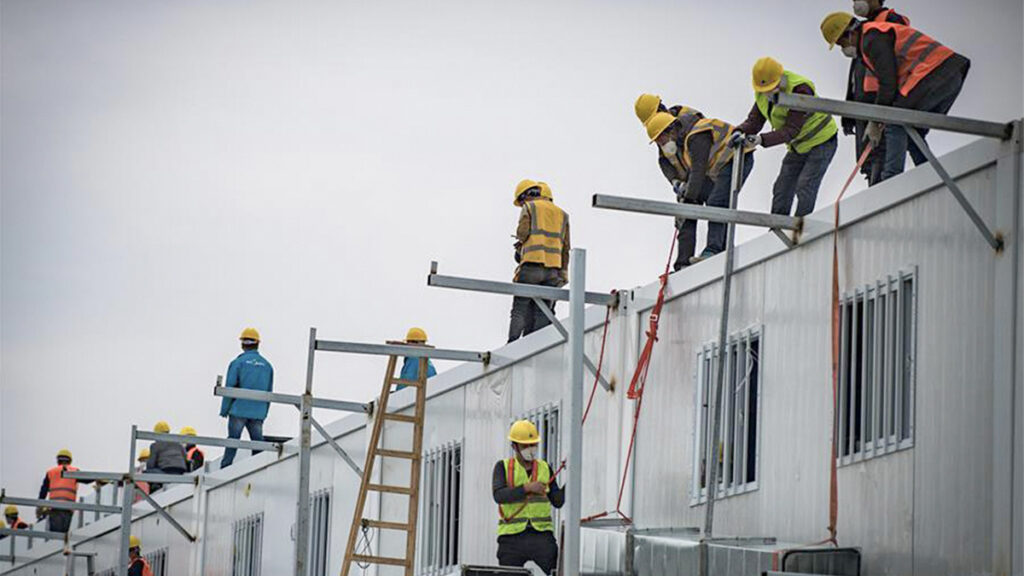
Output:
(162, 427)
(11, 511)
(545, 191)
(646, 105)
(64, 453)
(134, 542)
(523, 186)
(657, 124)
(834, 25)
(416, 335)
(188, 431)
(250, 334)
(524, 432)
(767, 74)
(143, 455)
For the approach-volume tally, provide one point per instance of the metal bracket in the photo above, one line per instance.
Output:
(565, 337)
(785, 239)
(337, 448)
(164, 513)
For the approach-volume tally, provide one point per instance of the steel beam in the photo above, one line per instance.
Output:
(127, 500)
(165, 514)
(305, 448)
(210, 441)
(86, 475)
(59, 504)
(401, 350)
(337, 448)
(516, 289)
(28, 533)
(697, 212)
(565, 335)
(293, 399)
(167, 478)
(892, 115)
(577, 284)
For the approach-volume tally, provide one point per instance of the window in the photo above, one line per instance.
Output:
(545, 419)
(157, 561)
(320, 531)
(740, 416)
(440, 522)
(248, 546)
(107, 572)
(875, 409)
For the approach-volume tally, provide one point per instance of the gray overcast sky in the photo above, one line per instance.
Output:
(175, 171)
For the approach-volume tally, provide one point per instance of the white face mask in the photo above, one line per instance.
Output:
(850, 51)
(861, 8)
(529, 453)
(669, 148)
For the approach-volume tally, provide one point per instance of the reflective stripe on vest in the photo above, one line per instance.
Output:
(535, 511)
(547, 234)
(720, 154)
(917, 54)
(818, 128)
(62, 488)
(192, 451)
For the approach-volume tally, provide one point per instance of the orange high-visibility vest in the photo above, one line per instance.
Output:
(917, 54)
(870, 80)
(62, 488)
(146, 570)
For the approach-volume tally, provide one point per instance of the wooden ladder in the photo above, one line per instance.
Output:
(374, 449)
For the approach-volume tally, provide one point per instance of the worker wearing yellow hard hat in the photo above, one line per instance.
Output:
(810, 139)
(13, 521)
(250, 371)
(542, 251)
(56, 487)
(194, 456)
(137, 564)
(913, 71)
(525, 490)
(700, 155)
(411, 366)
(165, 456)
(646, 106)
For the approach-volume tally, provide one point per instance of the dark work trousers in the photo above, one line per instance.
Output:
(517, 549)
(526, 317)
(687, 238)
(59, 520)
(801, 176)
(235, 427)
(719, 198)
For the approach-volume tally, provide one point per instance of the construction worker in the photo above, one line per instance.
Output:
(165, 457)
(56, 487)
(700, 146)
(542, 251)
(810, 139)
(862, 86)
(137, 565)
(411, 366)
(525, 490)
(194, 456)
(913, 70)
(140, 468)
(251, 371)
(13, 521)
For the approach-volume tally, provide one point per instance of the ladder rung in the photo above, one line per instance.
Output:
(391, 489)
(398, 454)
(400, 417)
(386, 525)
(401, 382)
(379, 560)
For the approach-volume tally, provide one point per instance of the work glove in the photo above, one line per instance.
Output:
(736, 138)
(874, 133)
(753, 140)
(679, 187)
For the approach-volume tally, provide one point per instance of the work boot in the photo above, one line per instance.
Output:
(680, 264)
(703, 256)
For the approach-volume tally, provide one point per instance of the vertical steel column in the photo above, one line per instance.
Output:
(305, 430)
(127, 495)
(577, 293)
(723, 334)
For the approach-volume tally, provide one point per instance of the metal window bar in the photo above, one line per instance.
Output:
(319, 546)
(439, 539)
(157, 561)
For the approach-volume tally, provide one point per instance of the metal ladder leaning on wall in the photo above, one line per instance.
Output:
(366, 485)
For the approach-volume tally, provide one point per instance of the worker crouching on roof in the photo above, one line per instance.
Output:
(251, 371)
(525, 490)
(165, 457)
(810, 139)
(13, 520)
(542, 251)
(913, 70)
(700, 148)
(137, 565)
(194, 456)
(411, 366)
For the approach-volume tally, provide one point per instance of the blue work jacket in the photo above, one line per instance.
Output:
(252, 372)
(411, 370)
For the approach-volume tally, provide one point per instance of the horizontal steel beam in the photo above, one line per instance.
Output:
(401, 350)
(27, 533)
(166, 478)
(59, 504)
(292, 399)
(891, 115)
(210, 441)
(86, 475)
(516, 289)
(122, 477)
(697, 212)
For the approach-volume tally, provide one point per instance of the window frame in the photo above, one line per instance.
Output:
(439, 534)
(320, 503)
(247, 532)
(158, 561)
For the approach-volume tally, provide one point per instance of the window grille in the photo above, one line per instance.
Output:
(738, 441)
(875, 410)
(247, 550)
(440, 508)
(107, 572)
(157, 561)
(546, 419)
(320, 532)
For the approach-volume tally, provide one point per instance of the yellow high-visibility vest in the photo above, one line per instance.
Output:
(721, 153)
(535, 511)
(547, 233)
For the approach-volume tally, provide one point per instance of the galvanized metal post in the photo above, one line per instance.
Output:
(723, 335)
(577, 293)
(305, 433)
(127, 496)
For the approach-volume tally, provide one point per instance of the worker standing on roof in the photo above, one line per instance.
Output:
(542, 251)
(525, 489)
(701, 147)
(13, 521)
(913, 70)
(56, 487)
(137, 565)
(862, 86)
(810, 139)
(250, 371)
(194, 456)
(411, 366)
